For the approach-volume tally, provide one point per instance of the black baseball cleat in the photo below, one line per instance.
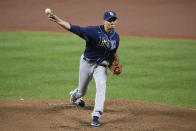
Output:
(95, 121)
(81, 103)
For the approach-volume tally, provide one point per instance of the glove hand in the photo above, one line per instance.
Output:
(117, 70)
(115, 66)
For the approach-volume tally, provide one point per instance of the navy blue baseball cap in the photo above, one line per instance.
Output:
(109, 14)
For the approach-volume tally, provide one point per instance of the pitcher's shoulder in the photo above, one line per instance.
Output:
(117, 35)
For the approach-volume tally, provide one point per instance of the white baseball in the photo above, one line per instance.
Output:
(47, 10)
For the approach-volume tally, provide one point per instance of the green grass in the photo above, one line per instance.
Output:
(45, 66)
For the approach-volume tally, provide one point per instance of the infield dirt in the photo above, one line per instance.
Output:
(150, 18)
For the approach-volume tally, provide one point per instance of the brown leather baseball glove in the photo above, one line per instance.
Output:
(114, 65)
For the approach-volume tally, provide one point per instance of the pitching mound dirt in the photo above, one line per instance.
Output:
(120, 114)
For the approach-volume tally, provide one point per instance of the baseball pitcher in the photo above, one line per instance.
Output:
(99, 55)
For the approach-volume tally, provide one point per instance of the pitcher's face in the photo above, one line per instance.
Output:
(111, 23)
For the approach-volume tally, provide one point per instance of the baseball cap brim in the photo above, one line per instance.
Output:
(108, 18)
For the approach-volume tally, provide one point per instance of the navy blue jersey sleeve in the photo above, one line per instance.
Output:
(80, 31)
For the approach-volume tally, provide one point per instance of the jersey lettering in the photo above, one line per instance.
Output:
(106, 43)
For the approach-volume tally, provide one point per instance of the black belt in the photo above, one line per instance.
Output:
(89, 60)
(92, 61)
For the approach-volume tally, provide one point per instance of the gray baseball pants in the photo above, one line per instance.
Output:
(87, 71)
